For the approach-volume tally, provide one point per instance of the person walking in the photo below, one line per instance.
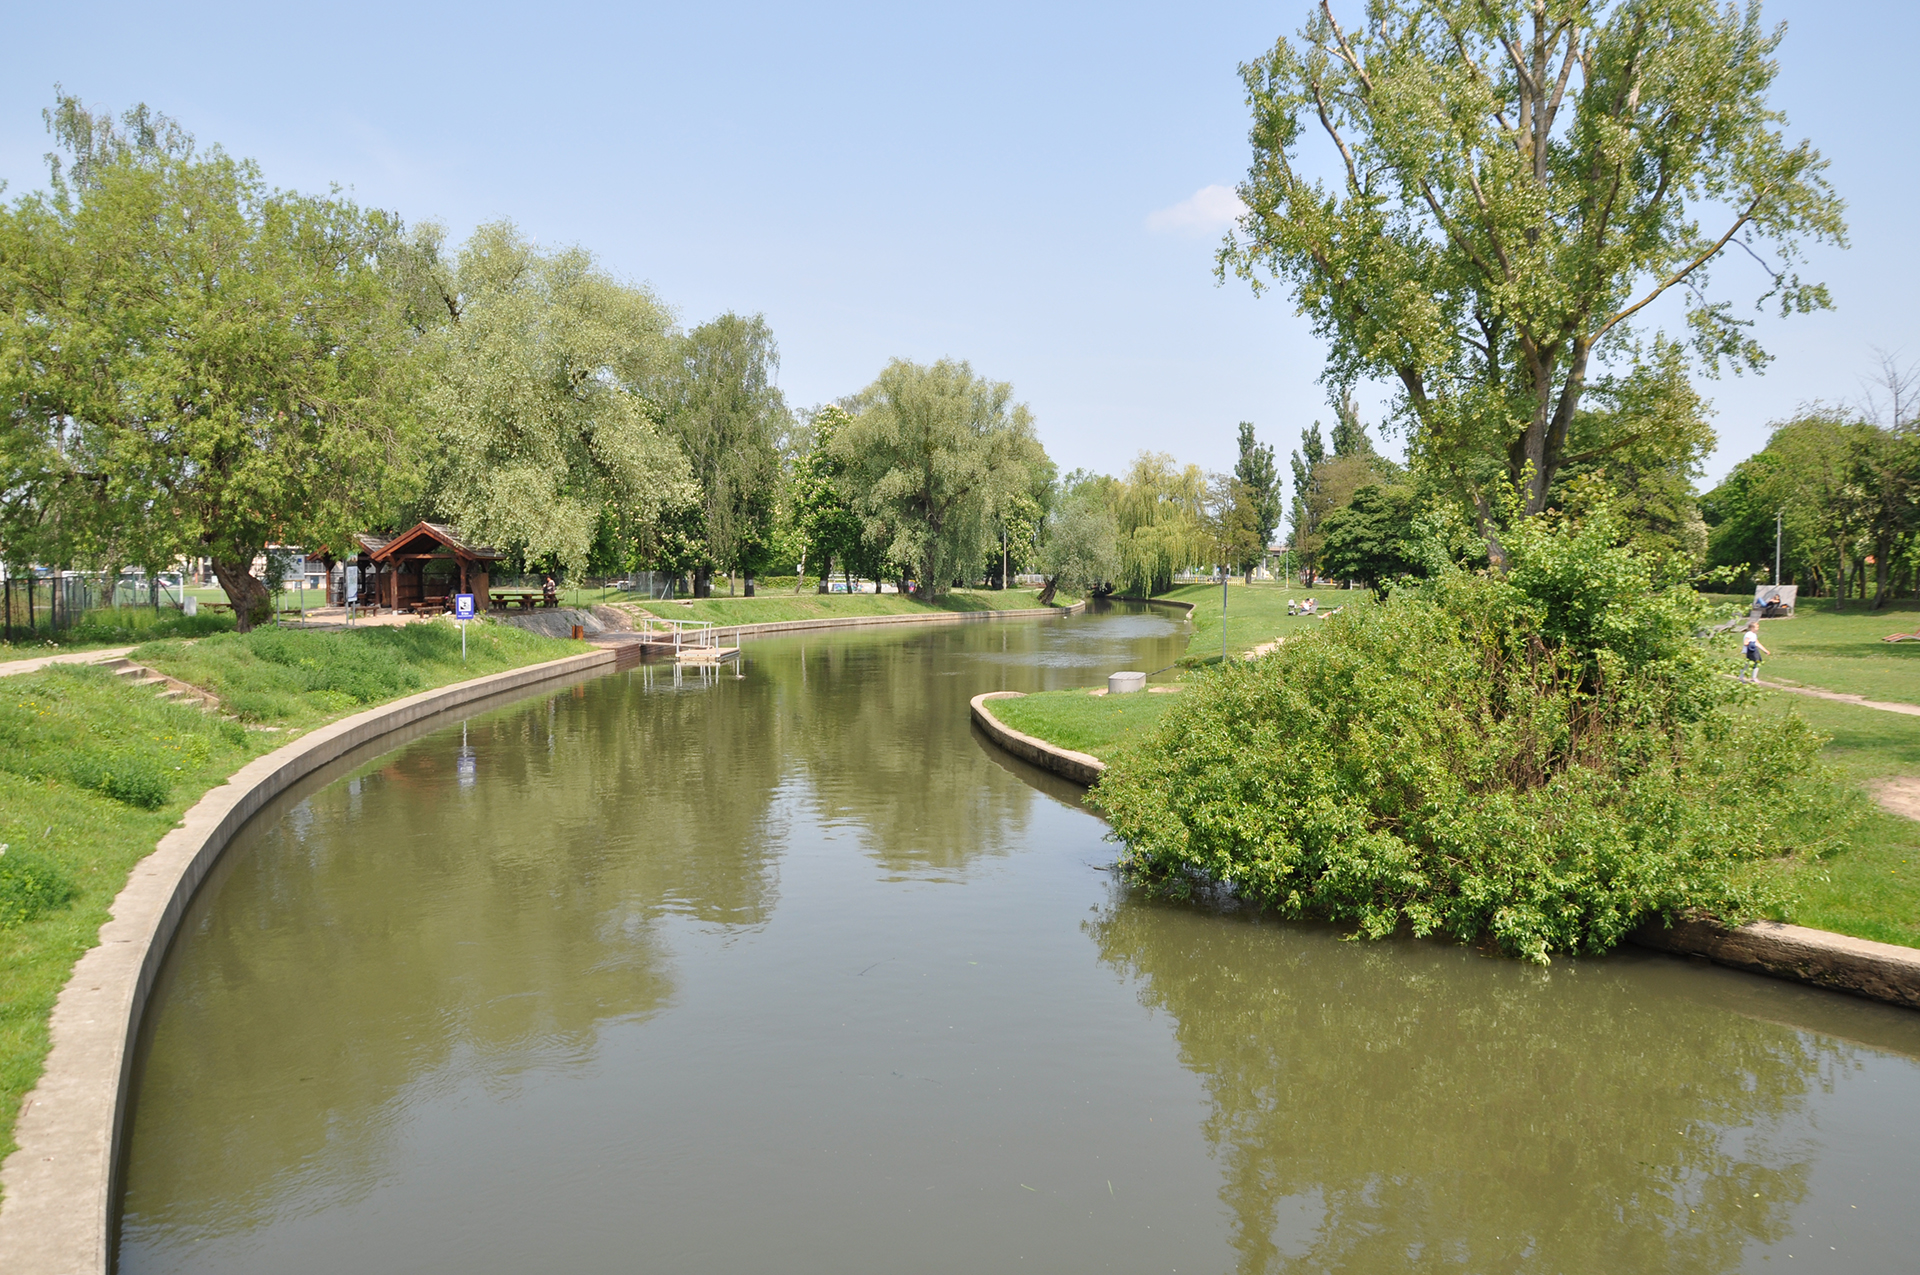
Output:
(1750, 641)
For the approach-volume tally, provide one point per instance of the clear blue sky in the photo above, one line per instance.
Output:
(978, 181)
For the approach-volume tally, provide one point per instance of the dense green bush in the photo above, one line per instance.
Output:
(1541, 758)
(30, 887)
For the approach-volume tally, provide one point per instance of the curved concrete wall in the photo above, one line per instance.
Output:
(1082, 768)
(57, 1216)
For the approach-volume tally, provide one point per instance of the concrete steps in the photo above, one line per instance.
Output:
(169, 688)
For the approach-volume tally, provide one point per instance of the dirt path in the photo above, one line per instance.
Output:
(1911, 710)
(1898, 794)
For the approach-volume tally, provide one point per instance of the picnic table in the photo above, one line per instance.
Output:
(525, 599)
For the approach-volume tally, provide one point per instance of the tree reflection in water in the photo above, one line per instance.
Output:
(1412, 1106)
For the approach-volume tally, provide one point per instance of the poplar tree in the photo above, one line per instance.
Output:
(1517, 181)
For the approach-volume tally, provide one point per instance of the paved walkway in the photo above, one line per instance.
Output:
(78, 657)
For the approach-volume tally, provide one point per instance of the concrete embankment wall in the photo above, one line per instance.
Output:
(1082, 768)
(57, 1215)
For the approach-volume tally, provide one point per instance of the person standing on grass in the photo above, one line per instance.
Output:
(1750, 640)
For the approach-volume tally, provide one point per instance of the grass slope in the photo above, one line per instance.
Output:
(299, 678)
(769, 608)
(71, 737)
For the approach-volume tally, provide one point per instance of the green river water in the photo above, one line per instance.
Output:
(790, 971)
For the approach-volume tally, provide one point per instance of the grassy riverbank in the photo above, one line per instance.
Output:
(772, 608)
(94, 771)
(296, 678)
(1256, 614)
(1087, 723)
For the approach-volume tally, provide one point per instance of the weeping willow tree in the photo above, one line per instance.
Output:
(1160, 511)
(538, 407)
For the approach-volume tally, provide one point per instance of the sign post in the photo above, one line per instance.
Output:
(299, 564)
(463, 611)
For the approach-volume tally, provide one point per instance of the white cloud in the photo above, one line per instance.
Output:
(1207, 211)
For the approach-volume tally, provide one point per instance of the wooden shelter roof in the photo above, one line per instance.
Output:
(423, 538)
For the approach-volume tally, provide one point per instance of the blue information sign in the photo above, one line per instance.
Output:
(463, 606)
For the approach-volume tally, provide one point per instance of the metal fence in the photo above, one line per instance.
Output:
(57, 601)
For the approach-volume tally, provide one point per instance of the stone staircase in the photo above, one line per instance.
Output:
(170, 688)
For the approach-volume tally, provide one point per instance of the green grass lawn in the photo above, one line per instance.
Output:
(1842, 650)
(1256, 613)
(768, 608)
(1871, 889)
(80, 751)
(1096, 724)
(94, 771)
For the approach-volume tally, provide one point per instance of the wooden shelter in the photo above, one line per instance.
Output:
(423, 567)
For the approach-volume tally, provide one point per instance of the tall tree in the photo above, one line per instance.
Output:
(539, 406)
(824, 517)
(1518, 181)
(729, 417)
(1081, 553)
(931, 453)
(196, 363)
(1160, 510)
(1257, 491)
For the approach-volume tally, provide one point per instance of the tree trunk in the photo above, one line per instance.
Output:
(800, 573)
(248, 595)
(703, 582)
(1046, 594)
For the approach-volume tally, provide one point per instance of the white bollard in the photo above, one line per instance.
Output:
(1126, 683)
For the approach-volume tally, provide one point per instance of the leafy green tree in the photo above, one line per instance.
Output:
(1817, 473)
(194, 363)
(729, 416)
(1325, 482)
(1258, 495)
(1160, 511)
(820, 506)
(931, 453)
(1372, 537)
(1518, 180)
(538, 406)
(1081, 553)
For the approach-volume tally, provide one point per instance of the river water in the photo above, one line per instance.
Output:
(791, 971)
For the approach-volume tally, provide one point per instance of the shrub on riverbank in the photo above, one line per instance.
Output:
(1540, 759)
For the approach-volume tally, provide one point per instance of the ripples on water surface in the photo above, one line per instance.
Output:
(789, 972)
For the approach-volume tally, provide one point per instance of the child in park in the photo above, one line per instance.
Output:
(1750, 642)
